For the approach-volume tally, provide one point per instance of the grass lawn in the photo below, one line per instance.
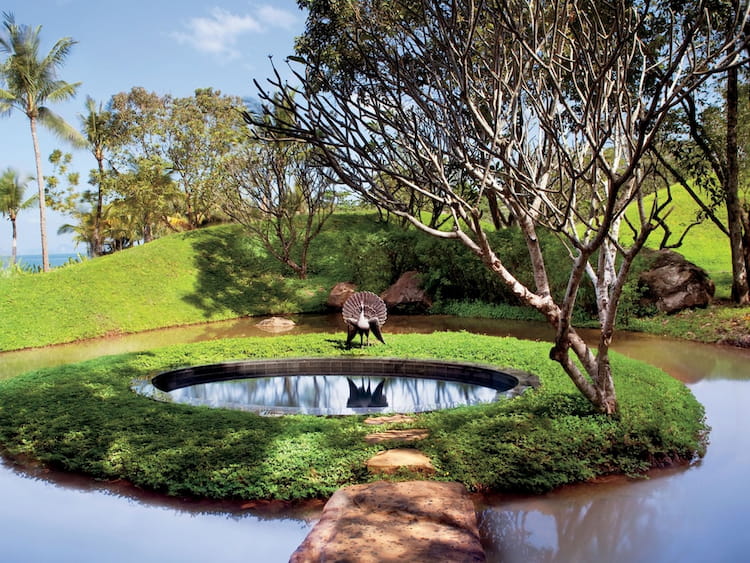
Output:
(705, 245)
(85, 418)
(198, 276)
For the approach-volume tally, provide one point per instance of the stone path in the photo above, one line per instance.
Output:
(409, 435)
(379, 420)
(390, 461)
(383, 522)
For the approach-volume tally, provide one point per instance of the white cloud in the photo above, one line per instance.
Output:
(276, 17)
(219, 33)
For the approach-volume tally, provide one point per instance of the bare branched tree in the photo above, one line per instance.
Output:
(543, 111)
(280, 194)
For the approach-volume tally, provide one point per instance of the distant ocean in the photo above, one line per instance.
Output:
(33, 261)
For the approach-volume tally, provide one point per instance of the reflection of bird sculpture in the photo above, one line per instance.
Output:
(365, 397)
(364, 312)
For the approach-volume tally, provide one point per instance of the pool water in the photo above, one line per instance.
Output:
(332, 394)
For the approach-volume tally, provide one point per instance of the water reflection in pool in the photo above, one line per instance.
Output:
(693, 514)
(333, 394)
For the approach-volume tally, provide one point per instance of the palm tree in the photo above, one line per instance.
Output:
(30, 82)
(99, 134)
(117, 228)
(12, 189)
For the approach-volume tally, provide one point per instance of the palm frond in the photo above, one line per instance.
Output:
(59, 52)
(30, 81)
(12, 191)
(60, 91)
(60, 127)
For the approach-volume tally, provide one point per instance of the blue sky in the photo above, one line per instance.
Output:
(165, 47)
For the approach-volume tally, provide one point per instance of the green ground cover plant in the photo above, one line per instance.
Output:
(85, 418)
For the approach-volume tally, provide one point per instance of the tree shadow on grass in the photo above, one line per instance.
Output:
(94, 424)
(236, 276)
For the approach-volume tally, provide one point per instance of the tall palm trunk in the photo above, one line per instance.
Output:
(42, 203)
(14, 247)
(96, 247)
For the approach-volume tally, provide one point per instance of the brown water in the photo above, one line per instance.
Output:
(696, 514)
(691, 514)
(14, 363)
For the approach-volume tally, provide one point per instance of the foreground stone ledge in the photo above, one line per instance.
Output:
(382, 522)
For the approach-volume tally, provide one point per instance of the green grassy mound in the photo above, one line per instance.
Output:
(85, 418)
(206, 275)
(221, 273)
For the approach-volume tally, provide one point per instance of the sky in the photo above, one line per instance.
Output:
(164, 47)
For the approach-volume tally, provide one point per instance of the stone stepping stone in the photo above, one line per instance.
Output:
(409, 435)
(390, 461)
(382, 522)
(276, 324)
(389, 419)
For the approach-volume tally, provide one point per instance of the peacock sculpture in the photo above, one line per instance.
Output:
(364, 312)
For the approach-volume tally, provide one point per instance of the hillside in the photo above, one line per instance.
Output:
(206, 275)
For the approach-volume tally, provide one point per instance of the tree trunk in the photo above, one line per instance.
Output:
(42, 201)
(147, 232)
(96, 247)
(740, 289)
(14, 248)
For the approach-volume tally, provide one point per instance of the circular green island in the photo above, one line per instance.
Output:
(86, 418)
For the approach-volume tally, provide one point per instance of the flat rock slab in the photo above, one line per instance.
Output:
(390, 461)
(410, 435)
(374, 420)
(276, 324)
(381, 522)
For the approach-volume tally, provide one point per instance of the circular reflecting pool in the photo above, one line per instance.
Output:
(334, 386)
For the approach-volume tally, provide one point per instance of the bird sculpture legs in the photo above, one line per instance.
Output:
(364, 334)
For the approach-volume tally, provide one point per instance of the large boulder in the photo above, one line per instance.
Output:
(673, 284)
(339, 294)
(407, 294)
(394, 522)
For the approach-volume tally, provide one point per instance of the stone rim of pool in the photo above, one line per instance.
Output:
(508, 381)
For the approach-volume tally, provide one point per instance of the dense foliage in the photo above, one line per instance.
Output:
(85, 418)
